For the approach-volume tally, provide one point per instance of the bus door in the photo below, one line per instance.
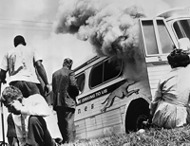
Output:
(157, 41)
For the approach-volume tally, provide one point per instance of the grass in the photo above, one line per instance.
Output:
(151, 137)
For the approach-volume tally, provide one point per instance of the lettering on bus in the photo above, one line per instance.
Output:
(94, 95)
(100, 93)
(86, 108)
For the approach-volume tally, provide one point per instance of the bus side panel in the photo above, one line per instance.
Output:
(155, 72)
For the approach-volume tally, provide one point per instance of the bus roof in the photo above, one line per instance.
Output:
(185, 11)
(86, 63)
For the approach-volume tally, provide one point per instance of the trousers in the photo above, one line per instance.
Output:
(65, 117)
(28, 88)
(38, 134)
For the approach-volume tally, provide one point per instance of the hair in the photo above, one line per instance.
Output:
(11, 93)
(19, 40)
(68, 62)
(178, 58)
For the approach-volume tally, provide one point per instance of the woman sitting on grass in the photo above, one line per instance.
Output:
(170, 106)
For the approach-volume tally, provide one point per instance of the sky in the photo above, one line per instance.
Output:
(34, 20)
(65, 28)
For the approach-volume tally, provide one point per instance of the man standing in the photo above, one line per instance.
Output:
(65, 91)
(23, 64)
(26, 118)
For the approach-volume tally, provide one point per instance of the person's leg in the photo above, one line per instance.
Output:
(71, 127)
(38, 134)
(60, 121)
(65, 118)
(188, 115)
(11, 132)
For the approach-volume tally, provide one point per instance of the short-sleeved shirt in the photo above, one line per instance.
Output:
(19, 62)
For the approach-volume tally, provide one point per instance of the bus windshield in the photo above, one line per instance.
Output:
(182, 28)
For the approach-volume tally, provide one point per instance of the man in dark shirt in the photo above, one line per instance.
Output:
(65, 90)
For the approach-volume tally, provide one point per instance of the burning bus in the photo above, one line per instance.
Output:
(115, 90)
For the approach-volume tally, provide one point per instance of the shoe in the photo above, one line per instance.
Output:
(146, 124)
(58, 141)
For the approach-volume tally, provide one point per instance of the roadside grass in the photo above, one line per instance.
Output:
(151, 137)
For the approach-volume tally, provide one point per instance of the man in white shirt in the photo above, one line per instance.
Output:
(26, 118)
(23, 64)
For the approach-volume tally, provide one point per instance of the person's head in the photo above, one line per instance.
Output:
(184, 43)
(9, 95)
(178, 58)
(19, 40)
(67, 63)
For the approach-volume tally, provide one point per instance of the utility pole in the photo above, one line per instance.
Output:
(2, 143)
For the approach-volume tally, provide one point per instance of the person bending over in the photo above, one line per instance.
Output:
(25, 122)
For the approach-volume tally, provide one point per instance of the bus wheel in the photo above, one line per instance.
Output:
(139, 121)
(138, 111)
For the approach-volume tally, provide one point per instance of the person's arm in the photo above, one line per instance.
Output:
(53, 85)
(73, 87)
(2, 76)
(54, 92)
(72, 79)
(36, 106)
(43, 75)
(156, 99)
(3, 69)
(33, 105)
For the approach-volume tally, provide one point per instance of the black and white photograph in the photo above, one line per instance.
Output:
(94, 73)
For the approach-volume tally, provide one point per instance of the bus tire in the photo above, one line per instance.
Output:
(138, 111)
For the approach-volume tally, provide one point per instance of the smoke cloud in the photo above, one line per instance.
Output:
(103, 22)
(111, 26)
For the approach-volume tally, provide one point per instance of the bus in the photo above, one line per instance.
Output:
(115, 93)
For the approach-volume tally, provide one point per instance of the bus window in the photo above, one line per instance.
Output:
(165, 40)
(96, 75)
(112, 69)
(150, 38)
(105, 71)
(156, 37)
(80, 82)
(182, 28)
